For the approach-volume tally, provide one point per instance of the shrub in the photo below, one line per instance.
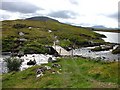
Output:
(35, 49)
(18, 26)
(7, 44)
(97, 49)
(13, 64)
(116, 51)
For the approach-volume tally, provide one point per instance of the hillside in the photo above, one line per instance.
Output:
(34, 35)
(99, 27)
(41, 32)
(41, 18)
(106, 30)
(73, 73)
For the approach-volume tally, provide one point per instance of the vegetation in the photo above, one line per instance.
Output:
(102, 48)
(19, 26)
(13, 64)
(34, 48)
(74, 73)
(36, 33)
(108, 30)
(117, 50)
(97, 49)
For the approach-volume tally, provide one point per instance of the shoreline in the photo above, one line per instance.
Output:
(112, 31)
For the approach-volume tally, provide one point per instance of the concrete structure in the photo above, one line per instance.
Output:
(61, 51)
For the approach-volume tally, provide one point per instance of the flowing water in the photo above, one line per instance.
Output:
(105, 55)
(85, 52)
(39, 58)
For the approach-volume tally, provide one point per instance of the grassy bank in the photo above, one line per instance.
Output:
(117, 50)
(74, 73)
(114, 31)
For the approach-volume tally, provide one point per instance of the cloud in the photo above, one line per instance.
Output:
(4, 17)
(21, 7)
(89, 12)
(115, 16)
(62, 14)
(73, 2)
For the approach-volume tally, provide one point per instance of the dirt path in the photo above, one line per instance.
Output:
(99, 84)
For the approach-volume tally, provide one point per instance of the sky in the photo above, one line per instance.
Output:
(85, 13)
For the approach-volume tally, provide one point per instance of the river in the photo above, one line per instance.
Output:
(105, 55)
(85, 52)
(39, 58)
(111, 36)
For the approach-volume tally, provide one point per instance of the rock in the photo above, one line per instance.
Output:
(56, 65)
(22, 60)
(29, 27)
(52, 71)
(39, 75)
(58, 72)
(50, 59)
(31, 62)
(48, 67)
(41, 70)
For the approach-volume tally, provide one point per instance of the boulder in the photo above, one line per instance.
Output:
(56, 65)
(31, 62)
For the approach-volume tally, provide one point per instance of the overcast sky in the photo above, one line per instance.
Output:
(75, 12)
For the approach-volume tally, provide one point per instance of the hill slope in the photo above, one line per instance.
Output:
(39, 33)
(74, 73)
(41, 18)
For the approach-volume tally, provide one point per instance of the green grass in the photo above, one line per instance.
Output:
(75, 73)
(39, 33)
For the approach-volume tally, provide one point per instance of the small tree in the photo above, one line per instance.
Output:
(13, 64)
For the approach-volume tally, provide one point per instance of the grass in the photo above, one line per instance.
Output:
(75, 73)
(67, 35)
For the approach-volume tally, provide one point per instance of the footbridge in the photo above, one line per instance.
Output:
(61, 51)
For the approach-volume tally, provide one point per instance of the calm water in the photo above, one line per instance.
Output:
(111, 37)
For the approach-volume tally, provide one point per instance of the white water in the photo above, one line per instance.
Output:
(104, 55)
(107, 55)
(111, 36)
(85, 52)
(39, 58)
